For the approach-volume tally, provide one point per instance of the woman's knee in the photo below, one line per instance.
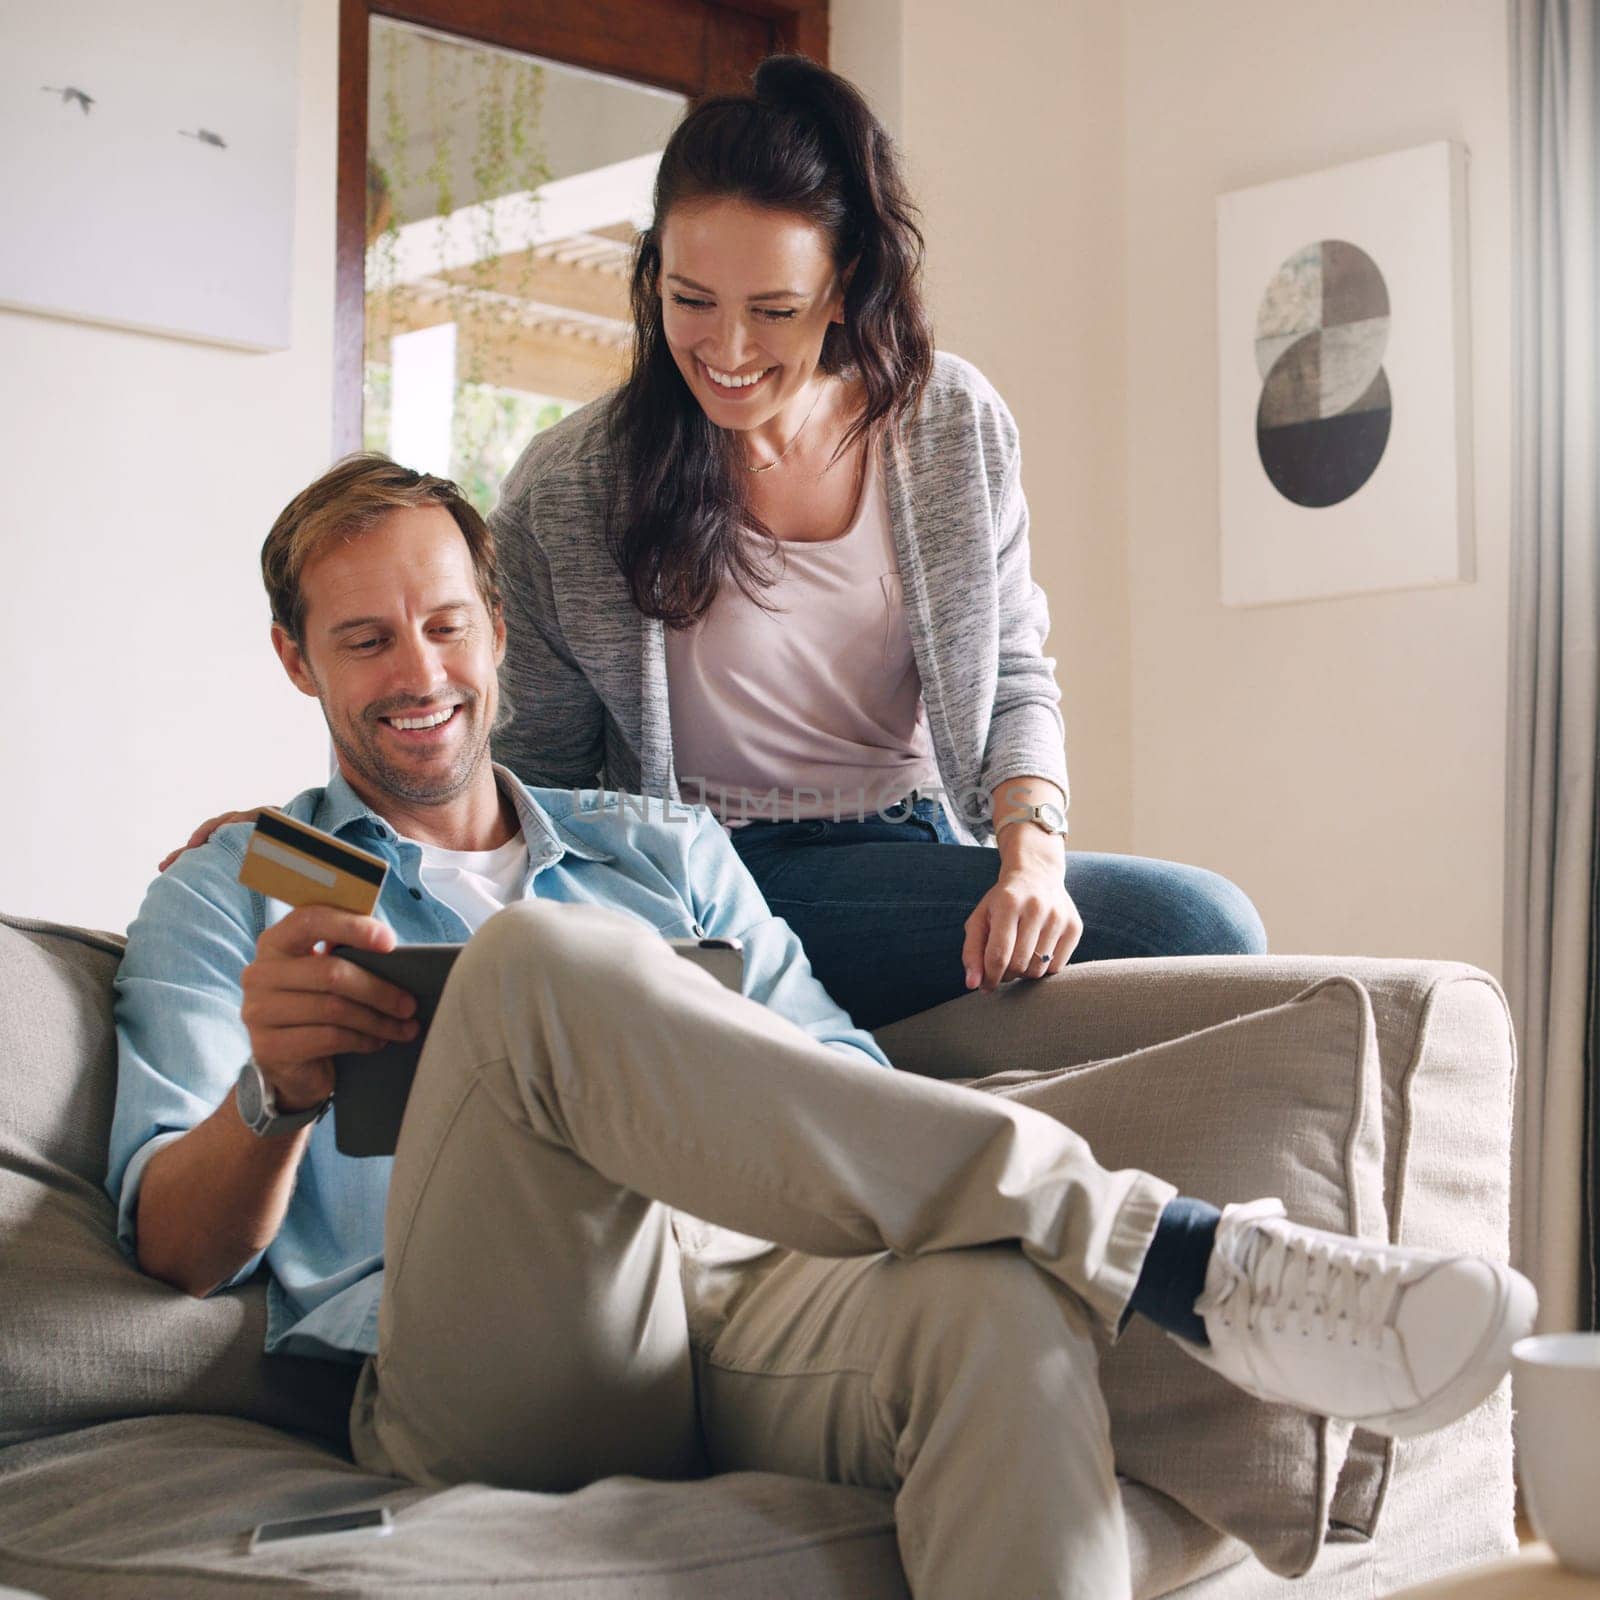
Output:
(1133, 906)
(1218, 918)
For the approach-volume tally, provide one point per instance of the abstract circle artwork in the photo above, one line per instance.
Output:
(1322, 423)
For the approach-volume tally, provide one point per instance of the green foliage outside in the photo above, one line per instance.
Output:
(489, 429)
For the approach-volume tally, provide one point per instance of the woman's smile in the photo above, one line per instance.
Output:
(737, 386)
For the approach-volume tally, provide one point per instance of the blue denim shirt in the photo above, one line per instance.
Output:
(181, 1042)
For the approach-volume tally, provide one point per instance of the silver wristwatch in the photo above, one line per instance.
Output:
(1048, 816)
(259, 1111)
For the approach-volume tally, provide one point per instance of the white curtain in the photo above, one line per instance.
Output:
(1555, 625)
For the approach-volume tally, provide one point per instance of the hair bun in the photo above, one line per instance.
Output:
(793, 83)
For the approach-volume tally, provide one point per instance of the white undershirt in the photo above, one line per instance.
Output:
(475, 883)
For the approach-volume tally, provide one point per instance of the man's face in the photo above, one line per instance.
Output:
(400, 649)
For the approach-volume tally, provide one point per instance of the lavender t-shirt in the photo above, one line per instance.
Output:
(819, 699)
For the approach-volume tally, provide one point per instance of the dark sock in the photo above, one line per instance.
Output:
(1174, 1271)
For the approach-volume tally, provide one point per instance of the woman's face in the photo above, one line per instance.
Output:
(746, 297)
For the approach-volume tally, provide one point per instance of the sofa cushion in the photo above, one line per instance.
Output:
(161, 1509)
(1283, 1102)
(84, 1336)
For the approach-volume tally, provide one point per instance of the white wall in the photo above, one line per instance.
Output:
(1343, 760)
(141, 476)
(867, 43)
(1010, 120)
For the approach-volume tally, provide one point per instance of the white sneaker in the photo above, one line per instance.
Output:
(1396, 1340)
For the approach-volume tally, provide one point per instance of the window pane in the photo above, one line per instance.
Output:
(503, 197)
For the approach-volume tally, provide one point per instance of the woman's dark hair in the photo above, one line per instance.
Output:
(803, 141)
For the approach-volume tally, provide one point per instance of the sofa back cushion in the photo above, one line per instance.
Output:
(84, 1336)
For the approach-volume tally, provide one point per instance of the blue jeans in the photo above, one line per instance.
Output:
(882, 923)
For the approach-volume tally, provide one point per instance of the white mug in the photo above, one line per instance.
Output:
(1556, 1391)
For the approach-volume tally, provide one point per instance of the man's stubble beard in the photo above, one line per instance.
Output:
(364, 754)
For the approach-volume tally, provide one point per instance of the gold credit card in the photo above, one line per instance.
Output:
(303, 866)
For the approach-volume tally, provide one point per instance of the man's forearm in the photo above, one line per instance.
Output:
(212, 1199)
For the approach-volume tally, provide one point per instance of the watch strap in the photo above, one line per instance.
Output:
(1039, 816)
(259, 1111)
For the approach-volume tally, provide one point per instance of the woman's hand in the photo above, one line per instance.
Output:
(209, 827)
(1026, 915)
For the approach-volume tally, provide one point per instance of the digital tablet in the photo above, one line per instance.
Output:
(370, 1091)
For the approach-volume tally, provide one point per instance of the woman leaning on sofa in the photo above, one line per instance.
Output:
(815, 525)
(784, 570)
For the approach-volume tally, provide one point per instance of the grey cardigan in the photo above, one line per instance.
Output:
(586, 674)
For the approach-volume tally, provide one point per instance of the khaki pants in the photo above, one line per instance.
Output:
(555, 1311)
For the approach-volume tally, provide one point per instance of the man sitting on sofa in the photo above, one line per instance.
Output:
(529, 1281)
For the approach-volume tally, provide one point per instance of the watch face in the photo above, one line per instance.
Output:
(250, 1107)
(1054, 815)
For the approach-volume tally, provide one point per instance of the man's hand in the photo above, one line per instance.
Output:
(217, 1196)
(304, 1006)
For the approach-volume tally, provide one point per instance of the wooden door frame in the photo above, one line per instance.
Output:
(695, 47)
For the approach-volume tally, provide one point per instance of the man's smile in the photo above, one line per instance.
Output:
(415, 727)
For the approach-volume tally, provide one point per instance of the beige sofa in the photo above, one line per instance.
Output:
(142, 1434)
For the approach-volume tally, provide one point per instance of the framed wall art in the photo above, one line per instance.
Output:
(148, 161)
(1344, 380)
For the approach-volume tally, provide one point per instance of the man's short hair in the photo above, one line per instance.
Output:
(348, 499)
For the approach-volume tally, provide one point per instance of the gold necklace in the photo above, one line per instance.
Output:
(767, 466)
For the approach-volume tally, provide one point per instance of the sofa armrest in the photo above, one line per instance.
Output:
(1444, 1042)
